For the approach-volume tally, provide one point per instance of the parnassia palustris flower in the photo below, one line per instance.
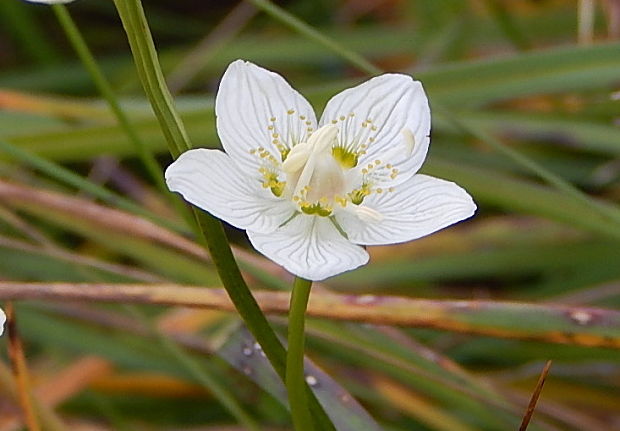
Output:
(311, 195)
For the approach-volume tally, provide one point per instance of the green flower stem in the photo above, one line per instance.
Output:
(295, 376)
(151, 77)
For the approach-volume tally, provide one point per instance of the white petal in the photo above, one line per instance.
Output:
(248, 99)
(310, 247)
(212, 181)
(393, 103)
(2, 320)
(416, 208)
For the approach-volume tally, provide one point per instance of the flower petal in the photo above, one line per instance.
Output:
(211, 180)
(256, 107)
(393, 103)
(310, 247)
(2, 320)
(416, 208)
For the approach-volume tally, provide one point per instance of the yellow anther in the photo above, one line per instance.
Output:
(342, 117)
(346, 158)
(316, 208)
(290, 111)
(278, 188)
(357, 196)
(272, 119)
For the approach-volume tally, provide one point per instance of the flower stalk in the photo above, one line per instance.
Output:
(295, 376)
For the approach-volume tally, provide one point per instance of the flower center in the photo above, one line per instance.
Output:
(319, 169)
(314, 178)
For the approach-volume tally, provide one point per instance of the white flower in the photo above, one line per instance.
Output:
(310, 196)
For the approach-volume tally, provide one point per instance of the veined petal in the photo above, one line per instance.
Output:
(310, 247)
(256, 109)
(212, 181)
(416, 208)
(384, 113)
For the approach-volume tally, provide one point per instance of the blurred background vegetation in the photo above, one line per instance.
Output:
(526, 105)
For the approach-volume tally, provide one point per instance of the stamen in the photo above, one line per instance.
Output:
(320, 158)
(316, 209)
(346, 158)
(357, 196)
